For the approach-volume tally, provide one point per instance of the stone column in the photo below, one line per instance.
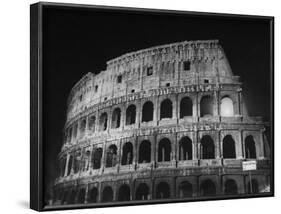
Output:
(87, 126)
(103, 159)
(239, 147)
(66, 165)
(119, 157)
(138, 112)
(78, 130)
(90, 159)
(123, 116)
(135, 152)
(195, 144)
(216, 103)
(86, 194)
(261, 145)
(217, 143)
(156, 110)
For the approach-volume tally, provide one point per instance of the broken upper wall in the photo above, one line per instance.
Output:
(177, 64)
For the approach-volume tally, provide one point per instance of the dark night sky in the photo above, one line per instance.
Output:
(78, 41)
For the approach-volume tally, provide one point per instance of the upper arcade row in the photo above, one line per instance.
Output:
(177, 64)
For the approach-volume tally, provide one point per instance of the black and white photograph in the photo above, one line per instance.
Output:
(144, 106)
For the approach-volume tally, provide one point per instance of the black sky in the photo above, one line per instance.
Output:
(78, 41)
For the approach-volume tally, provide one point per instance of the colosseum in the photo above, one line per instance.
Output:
(167, 122)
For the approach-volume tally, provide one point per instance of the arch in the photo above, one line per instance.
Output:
(162, 190)
(145, 152)
(250, 147)
(142, 192)
(107, 194)
(92, 123)
(253, 186)
(229, 147)
(103, 122)
(230, 187)
(96, 158)
(207, 188)
(82, 127)
(116, 118)
(124, 193)
(127, 154)
(207, 147)
(131, 115)
(164, 150)
(166, 109)
(111, 156)
(93, 196)
(185, 107)
(206, 106)
(185, 189)
(147, 111)
(81, 196)
(185, 148)
(226, 107)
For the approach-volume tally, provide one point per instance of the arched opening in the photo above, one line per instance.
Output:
(107, 194)
(92, 123)
(164, 150)
(229, 147)
(111, 156)
(145, 152)
(250, 147)
(82, 127)
(81, 196)
(96, 158)
(127, 154)
(185, 149)
(142, 192)
(166, 109)
(185, 189)
(207, 148)
(124, 193)
(206, 106)
(116, 118)
(71, 197)
(162, 190)
(253, 186)
(70, 162)
(226, 107)
(185, 107)
(93, 197)
(147, 111)
(103, 122)
(131, 115)
(208, 188)
(230, 187)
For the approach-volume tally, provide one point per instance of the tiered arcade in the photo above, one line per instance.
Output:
(163, 122)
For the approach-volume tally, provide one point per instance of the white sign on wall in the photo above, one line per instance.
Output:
(249, 165)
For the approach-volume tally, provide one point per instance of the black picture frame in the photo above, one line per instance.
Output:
(37, 105)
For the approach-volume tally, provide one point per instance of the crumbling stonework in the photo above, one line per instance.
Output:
(163, 122)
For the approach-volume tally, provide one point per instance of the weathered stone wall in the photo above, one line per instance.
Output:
(191, 143)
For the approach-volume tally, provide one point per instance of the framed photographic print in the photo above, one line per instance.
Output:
(141, 106)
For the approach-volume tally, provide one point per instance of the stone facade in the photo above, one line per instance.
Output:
(163, 122)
